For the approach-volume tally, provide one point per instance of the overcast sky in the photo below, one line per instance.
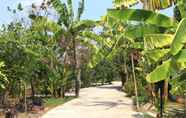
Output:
(94, 9)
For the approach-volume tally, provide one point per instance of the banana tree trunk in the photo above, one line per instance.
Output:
(79, 79)
(63, 91)
(163, 97)
(123, 78)
(166, 84)
(32, 88)
(5, 97)
(125, 71)
(25, 100)
(135, 82)
(161, 103)
(77, 82)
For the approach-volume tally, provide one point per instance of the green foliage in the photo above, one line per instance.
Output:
(181, 5)
(62, 10)
(156, 54)
(48, 55)
(168, 68)
(152, 41)
(161, 72)
(3, 76)
(125, 3)
(103, 72)
(148, 17)
(179, 38)
(80, 9)
(129, 88)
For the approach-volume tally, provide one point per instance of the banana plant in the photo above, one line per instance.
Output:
(175, 56)
(181, 6)
(163, 4)
(167, 49)
(154, 5)
(147, 4)
(161, 24)
(138, 15)
(157, 4)
(72, 27)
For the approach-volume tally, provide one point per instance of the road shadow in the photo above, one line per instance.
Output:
(109, 104)
(137, 115)
(119, 88)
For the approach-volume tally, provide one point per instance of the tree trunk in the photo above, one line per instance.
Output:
(5, 97)
(166, 84)
(32, 88)
(25, 101)
(135, 82)
(163, 97)
(77, 84)
(63, 91)
(161, 103)
(103, 81)
(59, 92)
(123, 78)
(124, 74)
(126, 71)
(45, 91)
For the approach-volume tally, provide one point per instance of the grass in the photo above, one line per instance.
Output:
(53, 102)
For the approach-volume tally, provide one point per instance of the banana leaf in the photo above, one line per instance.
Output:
(152, 41)
(156, 54)
(139, 15)
(161, 72)
(179, 39)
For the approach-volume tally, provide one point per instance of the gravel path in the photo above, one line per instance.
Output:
(96, 102)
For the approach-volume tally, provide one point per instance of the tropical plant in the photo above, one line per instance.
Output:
(71, 28)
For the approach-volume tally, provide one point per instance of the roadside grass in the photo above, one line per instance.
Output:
(53, 102)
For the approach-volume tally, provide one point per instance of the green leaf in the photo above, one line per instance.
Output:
(92, 36)
(165, 3)
(81, 8)
(161, 72)
(152, 41)
(42, 23)
(156, 54)
(181, 5)
(126, 3)
(139, 30)
(83, 24)
(181, 56)
(179, 38)
(137, 45)
(138, 15)
(62, 10)
(70, 9)
(180, 59)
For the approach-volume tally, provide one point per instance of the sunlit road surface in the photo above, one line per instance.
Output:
(96, 102)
